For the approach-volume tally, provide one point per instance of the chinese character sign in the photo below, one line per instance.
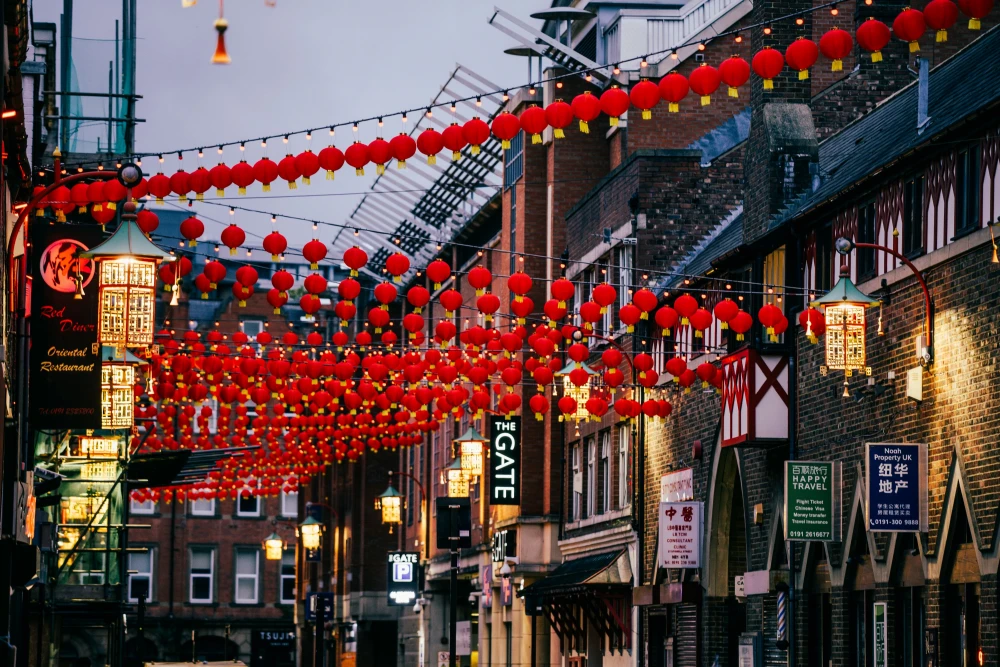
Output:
(880, 638)
(897, 487)
(812, 501)
(680, 534)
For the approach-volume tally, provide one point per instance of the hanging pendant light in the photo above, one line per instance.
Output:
(221, 56)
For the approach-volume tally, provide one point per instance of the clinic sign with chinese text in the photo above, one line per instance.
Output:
(403, 576)
(812, 501)
(897, 487)
(681, 527)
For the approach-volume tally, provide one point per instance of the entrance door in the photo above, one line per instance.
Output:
(737, 626)
(657, 641)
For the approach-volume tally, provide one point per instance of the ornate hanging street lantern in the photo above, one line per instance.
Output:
(126, 269)
(311, 530)
(578, 392)
(390, 503)
(456, 479)
(117, 383)
(470, 452)
(274, 547)
(844, 309)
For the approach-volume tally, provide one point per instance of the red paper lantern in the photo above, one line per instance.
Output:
(349, 289)
(767, 64)
(629, 315)
(725, 311)
(559, 115)
(242, 293)
(614, 103)
(247, 276)
(909, 26)
(734, 72)
(586, 107)
(533, 122)
(396, 265)
(438, 272)
(666, 318)
(314, 252)
(114, 192)
(451, 300)
(159, 187)
(872, 36)
(741, 324)
(288, 172)
(242, 175)
(768, 315)
(685, 305)
(476, 133)
(355, 258)
(605, 295)
(645, 301)
(180, 184)
(78, 195)
(403, 147)
(307, 164)
(276, 299)
(385, 293)
(644, 96)
(379, 153)
(505, 127)
(836, 44)
(814, 324)
(519, 284)
(480, 278)
(704, 81)
(976, 10)
(192, 228)
(221, 177)
(331, 159)
(801, 55)
(275, 244)
(265, 172)
(233, 237)
(147, 221)
(674, 88)
(539, 405)
(562, 290)
(701, 320)
(488, 304)
(940, 15)
(310, 304)
(357, 156)
(282, 280)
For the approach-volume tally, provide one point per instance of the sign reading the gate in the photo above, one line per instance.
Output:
(680, 534)
(812, 501)
(505, 461)
(897, 487)
(403, 577)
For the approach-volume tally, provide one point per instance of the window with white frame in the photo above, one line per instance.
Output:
(290, 504)
(577, 483)
(252, 327)
(604, 472)
(248, 506)
(623, 258)
(286, 594)
(203, 507)
(247, 575)
(202, 575)
(140, 575)
(624, 473)
(147, 506)
(591, 476)
(212, 421)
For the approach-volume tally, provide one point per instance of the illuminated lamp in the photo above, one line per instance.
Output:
(117, 383)
(274, 547)
(390, 503)
(470, 452)
(578, 392)
(844, 309)
(310, 530)
(126, 269)
(456, 479)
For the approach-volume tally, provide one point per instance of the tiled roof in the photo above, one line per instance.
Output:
(728, 237)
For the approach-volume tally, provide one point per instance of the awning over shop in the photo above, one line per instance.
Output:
(596, 587)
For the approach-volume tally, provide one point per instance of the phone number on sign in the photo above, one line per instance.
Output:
(896, 522)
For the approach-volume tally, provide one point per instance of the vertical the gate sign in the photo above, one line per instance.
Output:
(65, 357)
(505, 460)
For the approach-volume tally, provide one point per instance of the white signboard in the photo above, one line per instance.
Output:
(463, 638)
(681, 531)
(741, 589)
(677, 486)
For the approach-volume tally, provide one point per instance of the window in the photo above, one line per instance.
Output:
(247, 573)
(252, 327)
(209, 424)
(513, 161)
(913, 216)
(866, 234)
(203, 507)
(604, 503)
(88, 569)
(140, 576)
(591, 476)
(202, 575)
(409, 490)
(286, 591)
(824, 260)
(967, 190)
(290, 504)
(145, 507)
(624, 472)
(513, 230)
(624, 261)
(577, 486)
(248, 506)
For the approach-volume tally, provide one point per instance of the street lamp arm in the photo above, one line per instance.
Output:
(928, 304)
(318, 504)
(423, 494)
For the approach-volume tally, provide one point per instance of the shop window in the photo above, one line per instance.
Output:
(967, 184)
(287, 581)
(140, 575)
(866, 234)
(913, 216)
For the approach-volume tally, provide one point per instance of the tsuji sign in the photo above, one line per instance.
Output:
(681, 528)
(754, 398)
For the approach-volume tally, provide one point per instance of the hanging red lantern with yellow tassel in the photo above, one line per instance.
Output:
(586, 107)
(836, 44)
(704, 81)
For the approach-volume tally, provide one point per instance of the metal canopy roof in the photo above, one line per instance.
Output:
(543, 45)
(424, 204)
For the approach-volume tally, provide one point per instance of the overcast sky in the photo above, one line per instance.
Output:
(299, 64)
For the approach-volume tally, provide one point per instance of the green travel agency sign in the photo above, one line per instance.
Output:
(812, 501)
